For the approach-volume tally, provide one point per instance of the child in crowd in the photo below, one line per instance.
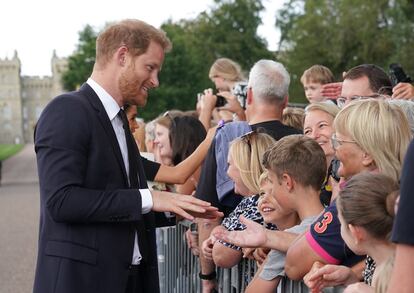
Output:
(366, 212)
(312, 80)
(272, 213)
(231, 86)
(297, 169)
(293, 117)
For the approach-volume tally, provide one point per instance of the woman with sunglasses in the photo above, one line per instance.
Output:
(245, 168)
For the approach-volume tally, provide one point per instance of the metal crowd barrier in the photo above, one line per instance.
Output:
(179, 268)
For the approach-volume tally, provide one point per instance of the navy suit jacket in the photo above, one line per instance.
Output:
(88, 215)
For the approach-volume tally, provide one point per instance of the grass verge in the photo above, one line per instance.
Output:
(8, 150)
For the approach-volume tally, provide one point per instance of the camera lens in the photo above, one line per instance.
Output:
(221, 101)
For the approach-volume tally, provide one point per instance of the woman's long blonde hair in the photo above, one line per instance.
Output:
(247, 152)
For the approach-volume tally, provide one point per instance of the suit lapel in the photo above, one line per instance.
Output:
(96, 103)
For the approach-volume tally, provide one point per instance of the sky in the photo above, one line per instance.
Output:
(36, 28)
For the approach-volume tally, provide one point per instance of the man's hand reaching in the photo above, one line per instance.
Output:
(184, 205)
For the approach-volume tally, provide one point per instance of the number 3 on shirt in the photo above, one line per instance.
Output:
(321, 226)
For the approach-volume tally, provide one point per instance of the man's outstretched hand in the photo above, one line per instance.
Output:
(184, 205)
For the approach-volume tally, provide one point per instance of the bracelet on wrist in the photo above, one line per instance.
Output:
(210, 276)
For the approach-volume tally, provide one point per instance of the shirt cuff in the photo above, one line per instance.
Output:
(146, 200)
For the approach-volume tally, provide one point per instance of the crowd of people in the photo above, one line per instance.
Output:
(320, 194)
(357, 126)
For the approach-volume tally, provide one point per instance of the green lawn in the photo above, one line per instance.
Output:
(8, 150)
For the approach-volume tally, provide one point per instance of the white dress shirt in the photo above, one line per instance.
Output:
(112, 108)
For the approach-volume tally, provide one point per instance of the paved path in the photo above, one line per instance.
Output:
(19, 219)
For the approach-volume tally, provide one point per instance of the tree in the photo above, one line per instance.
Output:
(80, 64)
(229, 30)
(341, 34)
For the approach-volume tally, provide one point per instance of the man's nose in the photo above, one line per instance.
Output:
(154, 80)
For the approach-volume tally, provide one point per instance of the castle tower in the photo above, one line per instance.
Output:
(37, 92)
(59, 66)
(23, 98)
(10, 101)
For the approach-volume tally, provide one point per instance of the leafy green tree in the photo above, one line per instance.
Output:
(228, 29)
(341, 34)
(80, 64)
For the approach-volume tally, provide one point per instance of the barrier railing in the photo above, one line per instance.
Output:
(179, 268)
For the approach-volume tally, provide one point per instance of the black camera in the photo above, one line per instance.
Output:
(398, 75)
(221, 101)
(333, 169)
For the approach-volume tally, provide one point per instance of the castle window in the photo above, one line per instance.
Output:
(7, 112)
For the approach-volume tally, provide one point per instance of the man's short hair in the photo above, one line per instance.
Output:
(317, 74)
(135, 34)
(269, 81)
(299, 156)
(379, 81)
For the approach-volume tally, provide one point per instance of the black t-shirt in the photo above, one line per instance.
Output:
(150, 168)
(206, 188)
(403, 230)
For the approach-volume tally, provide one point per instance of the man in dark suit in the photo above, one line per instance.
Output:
(96, 223)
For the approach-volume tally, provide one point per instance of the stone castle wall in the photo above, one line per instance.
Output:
(23, 98)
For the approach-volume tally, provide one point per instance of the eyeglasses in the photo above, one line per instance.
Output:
(338, 142)
(341, 101)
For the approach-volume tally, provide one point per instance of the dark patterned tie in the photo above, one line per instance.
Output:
(132, 154)
(133, 157)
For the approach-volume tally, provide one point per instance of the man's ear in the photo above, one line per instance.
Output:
(121, 55)
(249, 98)
(285, 101)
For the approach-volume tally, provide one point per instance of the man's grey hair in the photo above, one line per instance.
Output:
(269, 81)
(408, 108)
